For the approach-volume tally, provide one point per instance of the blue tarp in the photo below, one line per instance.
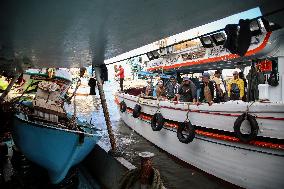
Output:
(150, 74)
(146, 74)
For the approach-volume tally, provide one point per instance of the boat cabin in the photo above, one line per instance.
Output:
(211, 52)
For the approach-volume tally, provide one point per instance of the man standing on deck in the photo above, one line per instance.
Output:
(160, 90)
(236, 89)
(187, 91)
(92, 83)
(207, 89)
(149, 89)
(220, 89)
(172, 88)
(121, 76)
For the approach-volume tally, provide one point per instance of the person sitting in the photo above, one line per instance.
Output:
(207, 89)
(235, 87)
(187, 91)
(160, 89)
(172, 88)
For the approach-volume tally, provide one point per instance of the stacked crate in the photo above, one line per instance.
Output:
(47, 103)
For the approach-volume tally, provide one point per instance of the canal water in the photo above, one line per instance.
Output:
(175, 174)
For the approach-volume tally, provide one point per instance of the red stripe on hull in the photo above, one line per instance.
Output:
(217, 136)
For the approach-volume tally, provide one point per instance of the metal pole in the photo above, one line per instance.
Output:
(105, 109)
(146, 168)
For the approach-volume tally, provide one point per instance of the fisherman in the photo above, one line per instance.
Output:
(3, 83)
(241, 76)
(219, 85)
(236, 87)
(187, 91)
(20, 81)
(82, 72)
(121, 76)
(92, 83)
(149, 88)
(207, 89)
(160, 89)
(254, 78)
(197, 84)
(172, 88)
(50, 72)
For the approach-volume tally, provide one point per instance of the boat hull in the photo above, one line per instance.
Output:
(240, 164)
(54, 149)
(257, 164)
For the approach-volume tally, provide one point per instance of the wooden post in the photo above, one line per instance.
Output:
(105, 109)
(146, 168)
(5, 93)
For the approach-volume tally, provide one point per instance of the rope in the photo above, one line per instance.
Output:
(132, 176)
(187, 113)
(158, 106)
(248, 106)
(157, 181)
(247, 110)
(74, 92)
(138, 100)
(72, 121)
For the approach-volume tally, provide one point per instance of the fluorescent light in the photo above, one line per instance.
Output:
(206, 41)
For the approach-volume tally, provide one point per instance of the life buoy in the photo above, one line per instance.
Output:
(253, 127)
(123, 106)
(186, 138)
(157, 122)
(136, 111)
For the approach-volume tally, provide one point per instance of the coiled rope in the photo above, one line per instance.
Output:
(132, 176)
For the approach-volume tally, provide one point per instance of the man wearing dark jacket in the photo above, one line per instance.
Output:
(92, 83)
(187, 91)
(207, 89)
(172, 88)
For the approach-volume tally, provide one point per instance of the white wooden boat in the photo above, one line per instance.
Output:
(249, 154)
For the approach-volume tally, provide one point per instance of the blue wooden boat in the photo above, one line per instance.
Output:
(45, 132)
(54, 148)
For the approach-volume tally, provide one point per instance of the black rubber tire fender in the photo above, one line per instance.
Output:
(123, 106)
(191, 132)
(157, 122)
(136, 111)
(253, 126)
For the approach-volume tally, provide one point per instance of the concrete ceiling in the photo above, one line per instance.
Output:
(72, 33)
